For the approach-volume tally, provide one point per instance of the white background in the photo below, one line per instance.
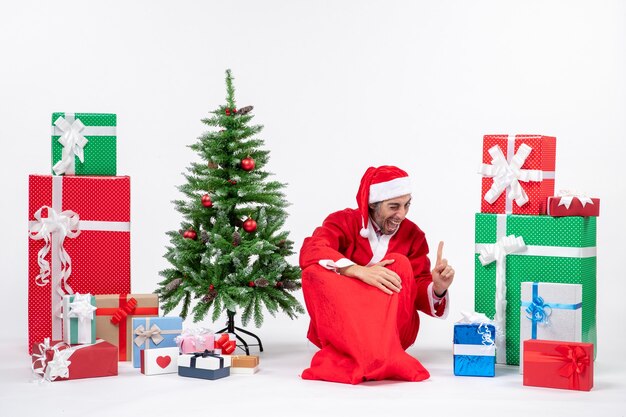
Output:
(339, 86)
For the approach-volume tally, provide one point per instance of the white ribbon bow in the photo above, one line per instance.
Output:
(473, 318)
(73, 143)
(58, 367)
(508, 175)
(154, 333)
(567, 196)
(498, 252)
(65, 225)
(81, 307)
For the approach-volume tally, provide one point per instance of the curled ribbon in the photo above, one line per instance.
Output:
(73, 143)
(538, 311)
(567, 196)
(65, 224)
(483, 329)
(497, 253)
(154, 334)
(58, 367)
(123, 312)
(508, 175)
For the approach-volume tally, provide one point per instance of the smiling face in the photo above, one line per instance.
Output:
(389, 214)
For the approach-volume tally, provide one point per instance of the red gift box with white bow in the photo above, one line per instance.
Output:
(518, 173)
(79, 242)
(558, 364)
(58, 361)
(572, 204)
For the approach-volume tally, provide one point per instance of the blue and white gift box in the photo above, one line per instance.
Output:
(79, 319)
(206, 365)
(154, 332)
(474, 346)
(550, 311)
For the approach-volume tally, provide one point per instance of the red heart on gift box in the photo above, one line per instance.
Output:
(163, 361)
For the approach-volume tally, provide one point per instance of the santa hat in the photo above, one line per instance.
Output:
(379, 184)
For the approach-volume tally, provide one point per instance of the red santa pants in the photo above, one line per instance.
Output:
(361, 331)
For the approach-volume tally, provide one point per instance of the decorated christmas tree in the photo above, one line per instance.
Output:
(230, 254)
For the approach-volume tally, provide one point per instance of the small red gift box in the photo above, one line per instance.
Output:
(573, 205)
(79, 242)
(58, 361)
(558, 364)
(518, 173)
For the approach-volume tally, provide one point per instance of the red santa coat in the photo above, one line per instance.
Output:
(361, 331)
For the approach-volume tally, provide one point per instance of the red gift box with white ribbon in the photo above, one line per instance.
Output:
(79, 243)
(571, 203)
(558, 364)
(518, 173)
(58, 361)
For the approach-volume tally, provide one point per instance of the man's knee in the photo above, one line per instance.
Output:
(401, 262)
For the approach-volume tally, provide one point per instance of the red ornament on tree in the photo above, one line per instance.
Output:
(251, 284)
(190, 234)
(233, 182)
(211, 287)
(206, 201)
(249, 225)
(227, 111)
(279, 284)
(247, 164)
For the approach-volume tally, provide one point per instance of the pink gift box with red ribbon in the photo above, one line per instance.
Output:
(195, 340)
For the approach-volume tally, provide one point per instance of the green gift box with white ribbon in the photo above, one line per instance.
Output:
(84, 144)
(511, 249)
(79, 319)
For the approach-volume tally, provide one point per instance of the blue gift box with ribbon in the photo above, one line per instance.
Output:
(474, 349)
(154, 332)
(203, 365)
(550, 311)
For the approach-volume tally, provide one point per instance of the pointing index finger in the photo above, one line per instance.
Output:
(439, 251)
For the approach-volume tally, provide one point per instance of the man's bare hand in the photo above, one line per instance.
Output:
(443, 274)
(376, 275)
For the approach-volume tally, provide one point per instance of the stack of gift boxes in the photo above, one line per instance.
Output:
(82, 317)
(535, 264)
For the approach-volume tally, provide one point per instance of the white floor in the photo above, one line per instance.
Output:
(277, 390)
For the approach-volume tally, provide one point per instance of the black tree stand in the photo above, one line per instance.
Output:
(230, 328)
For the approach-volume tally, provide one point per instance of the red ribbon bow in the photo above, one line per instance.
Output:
(576, 360)
(228, 346)
(123, 312)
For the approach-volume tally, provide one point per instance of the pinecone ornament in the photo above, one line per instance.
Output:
(261, 282)
(210, 296)
(289, 285)
(213, 165)
(236, 238)
(173, 284)
(204, 236)
(245, 110)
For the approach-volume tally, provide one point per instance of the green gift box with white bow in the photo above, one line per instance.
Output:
(84, 144)
(511, 249)
(79, 319)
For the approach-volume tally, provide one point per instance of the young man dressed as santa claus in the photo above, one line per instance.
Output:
(365, 273)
